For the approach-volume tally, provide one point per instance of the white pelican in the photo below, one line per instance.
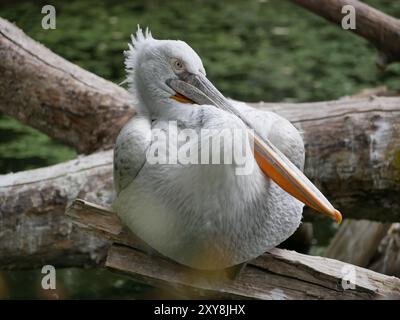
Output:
(205, 215)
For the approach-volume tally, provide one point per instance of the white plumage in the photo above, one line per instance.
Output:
(201, 215)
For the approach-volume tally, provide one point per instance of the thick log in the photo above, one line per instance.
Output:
(278, 274)
(33, 227)
(45, 91)
(382, 30)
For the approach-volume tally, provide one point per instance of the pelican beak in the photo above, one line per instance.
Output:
(270, 159)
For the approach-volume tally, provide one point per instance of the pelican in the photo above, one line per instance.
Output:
(205, 216)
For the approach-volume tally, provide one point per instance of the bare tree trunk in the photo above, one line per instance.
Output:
(380, 29)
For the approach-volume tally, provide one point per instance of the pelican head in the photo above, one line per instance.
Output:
(165, 74)
(151, 63)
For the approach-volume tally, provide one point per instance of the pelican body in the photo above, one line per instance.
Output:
(205, 216)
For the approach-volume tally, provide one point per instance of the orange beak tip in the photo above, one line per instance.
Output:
(338, 216)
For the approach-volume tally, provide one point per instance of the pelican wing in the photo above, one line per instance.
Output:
(130, 151)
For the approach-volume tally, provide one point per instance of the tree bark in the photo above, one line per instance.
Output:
(43, 90)
(278, 274)
(382, 30)
(33, 227)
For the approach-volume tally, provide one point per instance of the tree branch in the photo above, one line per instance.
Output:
(382, 30)
(45, 91)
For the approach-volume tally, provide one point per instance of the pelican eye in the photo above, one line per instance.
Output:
(177, 64)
